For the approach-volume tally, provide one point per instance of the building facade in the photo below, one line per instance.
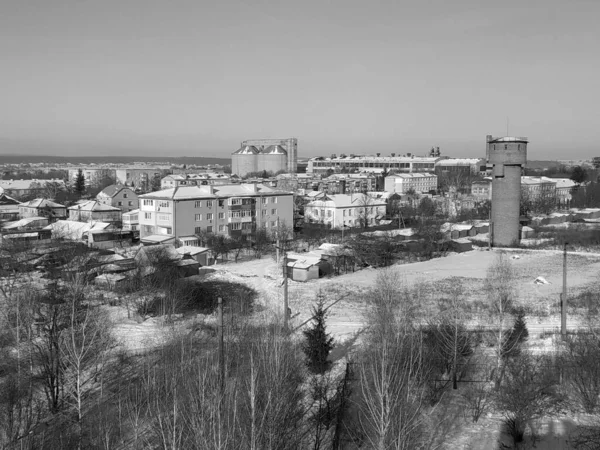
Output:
(344, 210)
(93, 211)
(402, 183)
(194, 179)
(370, 163)
(119, 196)
(41, 207)
(230, 210)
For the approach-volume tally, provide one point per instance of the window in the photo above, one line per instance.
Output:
(273, 199)
(209, 203)
(221, 203)
(236, 226)
(273, 223)
(221, 215)
(130, 203)
(264, 212)
(198, 204)
(197, 217)
(209, 229)
(209, 216)
(221, 228)
(124, 195)
(198, 230)
(148, 202)
(236, 201)
(265, 200)
(329, 213)
(164, 217)
(273, 211)
(163, 204)
(119, 203)
(148, 216)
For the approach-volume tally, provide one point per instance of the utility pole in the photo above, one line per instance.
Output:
(563, 297)
(221, 349)
(285, 293)
(277, 247)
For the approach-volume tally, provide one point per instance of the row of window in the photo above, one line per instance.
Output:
(236, 226)
(210, 216)
(209, 203)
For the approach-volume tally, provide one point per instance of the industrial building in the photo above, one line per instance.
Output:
(506, 157)
(372, 163)
(271, 155)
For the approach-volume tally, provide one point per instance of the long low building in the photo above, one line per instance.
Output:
(372, 163)
(346, 210)
(402, 183)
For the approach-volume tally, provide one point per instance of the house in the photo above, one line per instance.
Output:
(30, 223)
(108, 238)
(119, 196)
(338, 210)
(73, 230)
(458, 230)
(29, 237)
(41, 207)
(110, 281)
(229, 210)
(149, 255)
(9, 207)
(141, 177)
(187, 267)
(403, 183)
(482, 189)
(94, 211)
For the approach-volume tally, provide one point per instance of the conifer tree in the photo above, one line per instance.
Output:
(514, 339)
(80, 182)
(318, 343)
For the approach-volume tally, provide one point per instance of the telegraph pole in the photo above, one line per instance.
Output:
(285, 293)
(563, 297)
(277, 247)
(221, 349)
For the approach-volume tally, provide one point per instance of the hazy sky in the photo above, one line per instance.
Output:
(197, 77)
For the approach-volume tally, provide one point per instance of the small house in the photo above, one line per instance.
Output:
(303, 267)
(460, 245)
(198, 254)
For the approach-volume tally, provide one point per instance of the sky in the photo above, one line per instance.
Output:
(178, 77)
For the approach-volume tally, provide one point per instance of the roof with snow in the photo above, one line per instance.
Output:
(70, 229)
(42, 203)
(93, 206)
(114, 189)
(347, 201)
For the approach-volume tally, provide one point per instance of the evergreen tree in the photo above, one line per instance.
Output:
(318, 343)
(514, 339)
(80, 182)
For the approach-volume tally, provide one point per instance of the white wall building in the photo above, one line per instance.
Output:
(403, 182)
(339, 210)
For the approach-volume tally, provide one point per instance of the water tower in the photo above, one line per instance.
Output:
(506, 156)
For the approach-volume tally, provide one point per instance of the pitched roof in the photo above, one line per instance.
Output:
(42, 203)
(93, 206)
(70, 229)
(5, 200)
(212, 191)
(114, 189)
(25, 222)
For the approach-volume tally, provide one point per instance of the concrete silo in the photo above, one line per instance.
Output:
(275, 158)
(244, 160)
(507, 156)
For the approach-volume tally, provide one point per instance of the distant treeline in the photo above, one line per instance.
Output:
(50, 159)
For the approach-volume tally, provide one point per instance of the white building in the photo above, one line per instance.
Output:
(372, 163)
(338, 210)
(403, 182)
(188, 211)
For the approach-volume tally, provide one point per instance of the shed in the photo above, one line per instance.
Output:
(157, 239)
(110, 280)
(527, 232)
(461, 245)
(303, 267)
(482, 228)
(198, 254)
(187, 267)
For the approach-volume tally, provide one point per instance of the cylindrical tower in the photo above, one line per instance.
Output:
(506, 155)
(275, 159)
(244, 160)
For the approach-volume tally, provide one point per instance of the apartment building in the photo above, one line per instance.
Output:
(231, 210)
(194, 179)
(344, 210)
(404, 182)
(140, 177)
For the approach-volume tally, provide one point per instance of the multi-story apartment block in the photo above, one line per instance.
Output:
(194, 179)
(375, 164)
(187, 211)
(538, 187)
(463, 166)
(402, 183)
(343, 210)
(119, 196)
(482, 189)
(92, 175)
(345, 183)
(140, 177)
